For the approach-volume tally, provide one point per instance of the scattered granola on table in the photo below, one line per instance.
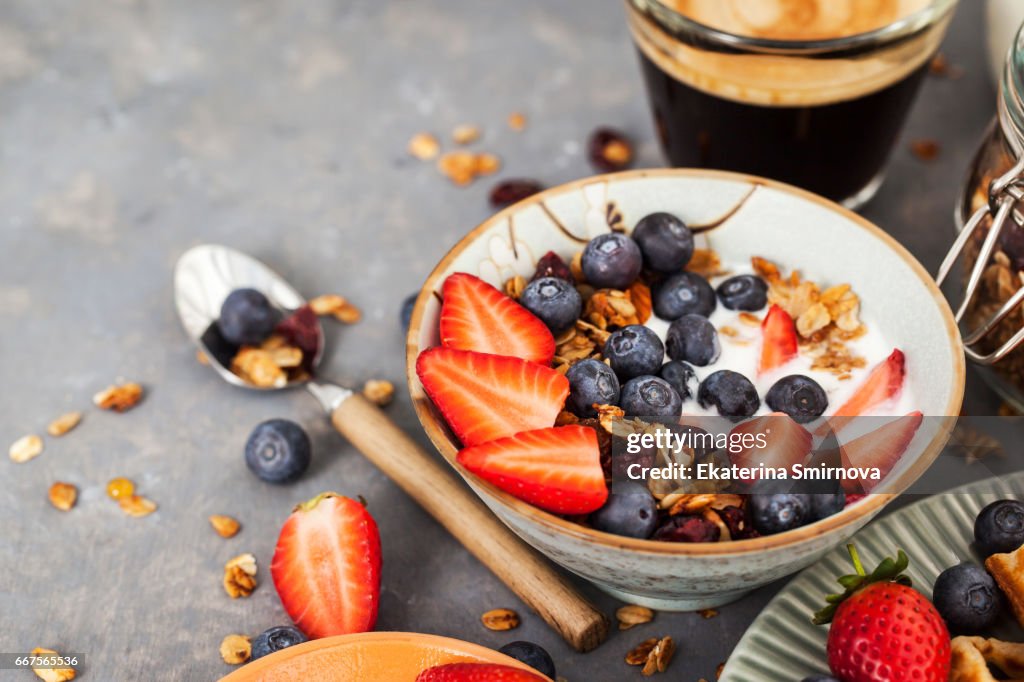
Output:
(500, 619)
(63, 495)
(225, 526)
(64, 423)
(240, 576)
(424, 146)
(136, 505)
(517, 121)
(380, 392)
(235, 649)
(25, 448)
(120, 487)
(653, 654)
(632, 615)
(465, 133)
(51, 674)
(119, 397)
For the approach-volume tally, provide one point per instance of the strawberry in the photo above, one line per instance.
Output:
(881, 448)
(884, 383)
(883, 630)
(477, 672)
(326, 567)
(484, 397)
(778, 339)
(786, 442)
(476, 316)
(557, 469)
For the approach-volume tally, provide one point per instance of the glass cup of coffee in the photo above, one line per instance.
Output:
(810, 92)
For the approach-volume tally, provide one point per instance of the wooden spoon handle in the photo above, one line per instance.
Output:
(456, 508)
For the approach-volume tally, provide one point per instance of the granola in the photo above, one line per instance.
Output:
(240, 576)
(51, 674)
(380, 392)
(632, 615)
(424, 146)
(25, 448)
(64, 423)
(500, 619)
(136, 505)
(63, 495)
(120, 397)
(225, 526)
(235, 649)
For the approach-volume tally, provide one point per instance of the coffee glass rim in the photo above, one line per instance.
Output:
(679, 26)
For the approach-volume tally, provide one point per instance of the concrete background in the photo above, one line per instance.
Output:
(133, 129)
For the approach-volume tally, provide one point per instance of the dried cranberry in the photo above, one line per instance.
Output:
(509, 192)
(687, 529)
(609, 150)
(737, 522)
(552, 265)
(604, 444)
(302, 329)
(1011, 241)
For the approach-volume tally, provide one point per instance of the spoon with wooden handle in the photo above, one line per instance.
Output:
(203, 278)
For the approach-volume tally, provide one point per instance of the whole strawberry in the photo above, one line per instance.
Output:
(883, 630)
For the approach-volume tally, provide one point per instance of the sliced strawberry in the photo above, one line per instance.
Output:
(884, 383)
(477, 672)
(326, 567)
(785, 442)
(484, 397)
(476, 316)
(557, 469)
(881, 448)
(778, 339)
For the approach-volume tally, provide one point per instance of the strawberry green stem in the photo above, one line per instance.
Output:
(855, 557)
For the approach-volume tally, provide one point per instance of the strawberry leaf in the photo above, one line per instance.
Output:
(889, 570)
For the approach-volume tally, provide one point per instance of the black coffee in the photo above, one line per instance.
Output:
(834, 149)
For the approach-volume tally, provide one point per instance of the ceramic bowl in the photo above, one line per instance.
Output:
(738, 216)
(367, 657)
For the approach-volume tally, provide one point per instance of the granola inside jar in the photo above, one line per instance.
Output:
(995, 164)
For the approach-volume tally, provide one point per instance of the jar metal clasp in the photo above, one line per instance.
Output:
(1003, 194)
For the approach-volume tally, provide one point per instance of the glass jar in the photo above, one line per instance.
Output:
(990, 221)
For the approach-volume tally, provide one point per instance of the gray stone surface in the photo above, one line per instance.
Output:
(133, 129)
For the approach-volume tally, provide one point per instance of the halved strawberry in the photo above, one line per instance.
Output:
(884, 383)
(476, 316)
(477, 672)
(785, 442)
(326, 567)
(778, 339)
(881, 448)
(484, 397)
(557, 469)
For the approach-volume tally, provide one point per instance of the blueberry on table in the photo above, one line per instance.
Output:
(777, 513)
(247, 317)
(275, 639)
(824, 505)
(634, 350)
(405, 314)
(693, 339)
(802, 398)
(665, 242)
(967, 598)
(532, 655)
(630, 511)
(730, 392)
(612, 261)
(681, 377)
(555, 301)
(999, 527)
(683, 294)
(591, 382)
(278, 451)
(649, 396)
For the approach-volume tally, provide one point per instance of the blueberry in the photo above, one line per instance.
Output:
(776, 513)
(275, 639)
(743, 292)
(693, 339)
(681, 377)
(648, 396)
(247, 317)
(634, 350)
(683, 294)
(630, 511)
(555, 301)
(665, 241)
(405, 314)
(802, 398)
(591, 381)
(730, 392)
(824, 505)
(612, 261)
(999, 527)
(967, 598)
(532, 655)
(278, 451)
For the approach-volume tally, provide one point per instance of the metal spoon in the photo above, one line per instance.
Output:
(203, 278)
